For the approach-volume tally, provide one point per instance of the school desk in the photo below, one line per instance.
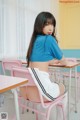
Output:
(8, 83)
(70, 66)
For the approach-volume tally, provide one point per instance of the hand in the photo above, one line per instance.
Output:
(56, 62)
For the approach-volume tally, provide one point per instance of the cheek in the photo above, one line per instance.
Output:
(44, 30)
(52, 28)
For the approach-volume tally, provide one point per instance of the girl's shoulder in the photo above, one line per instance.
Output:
(50, 39)
(46, 38)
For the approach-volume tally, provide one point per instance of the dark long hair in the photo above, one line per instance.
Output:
(40, 22)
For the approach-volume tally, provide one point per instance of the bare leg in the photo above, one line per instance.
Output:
(23, 92)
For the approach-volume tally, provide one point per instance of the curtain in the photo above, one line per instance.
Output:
(16, 25)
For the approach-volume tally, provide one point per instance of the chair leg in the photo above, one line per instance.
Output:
(36, 116)
(64, 115)
(48, 113)
(27, 105)
(22, 101)
(33, 107)
(59, 113)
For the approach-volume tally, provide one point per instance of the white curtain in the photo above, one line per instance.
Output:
(16, 25)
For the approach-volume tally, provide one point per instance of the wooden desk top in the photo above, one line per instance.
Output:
(69, 65)
(9, 82)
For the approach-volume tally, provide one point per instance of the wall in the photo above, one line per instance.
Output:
(69, 16)
(55, 12)
(68, 24)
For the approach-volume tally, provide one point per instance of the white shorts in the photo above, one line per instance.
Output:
(49, 90)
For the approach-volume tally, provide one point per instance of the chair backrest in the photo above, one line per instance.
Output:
(8, 63)
(32, 91)
(25, 73)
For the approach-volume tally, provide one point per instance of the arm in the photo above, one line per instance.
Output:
(62, 61)
(55, 51)
(67, 61)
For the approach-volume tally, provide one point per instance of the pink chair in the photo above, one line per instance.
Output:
(7, 65)
(34, 95)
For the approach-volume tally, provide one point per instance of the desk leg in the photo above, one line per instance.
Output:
(69, 95)
(16, 104)
(76, 89)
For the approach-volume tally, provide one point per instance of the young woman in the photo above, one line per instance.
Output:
(43, 49)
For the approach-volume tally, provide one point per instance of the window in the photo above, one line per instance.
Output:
(16, 25)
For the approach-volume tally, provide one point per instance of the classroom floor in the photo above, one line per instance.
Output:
(10, 109)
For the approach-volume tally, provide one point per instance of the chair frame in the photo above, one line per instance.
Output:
(8, 63)
(21, 72)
